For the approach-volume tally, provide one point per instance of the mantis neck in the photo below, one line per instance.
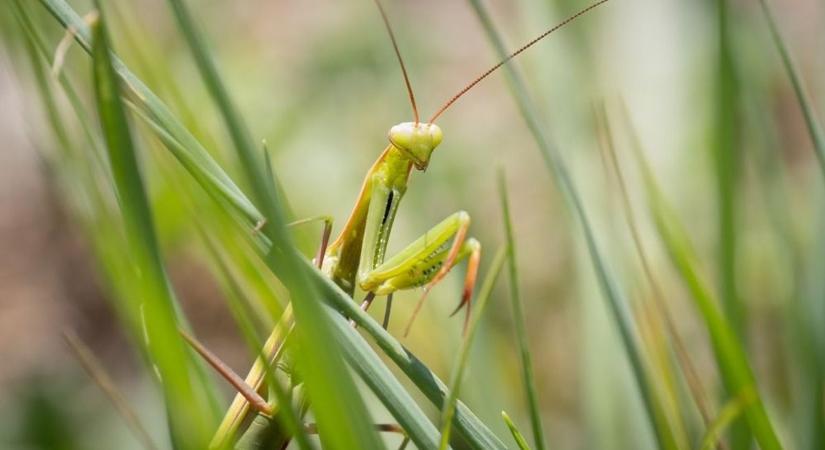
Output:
(394, 167)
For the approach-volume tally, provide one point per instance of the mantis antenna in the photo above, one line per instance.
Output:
(400, 60)
(508, 58)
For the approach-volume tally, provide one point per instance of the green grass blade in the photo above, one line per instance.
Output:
(616, 303)
(188, 425)
(339, 410)
(191, 153)
(448, 412)
(94, 368)
(813, 124)
(379, 378)
(473, 430)
(518, 318)
(39, 72)
(730, 355)
(805, 335)
(517, 436)
(288, 417)
(727, 161)
(729, 413)
(34, 40)
(244, 144)
(691, 374)
(802, 321)
(317, 352)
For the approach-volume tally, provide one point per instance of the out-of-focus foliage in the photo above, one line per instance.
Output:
(724, 104)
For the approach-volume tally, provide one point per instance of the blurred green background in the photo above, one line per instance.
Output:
(318, 81)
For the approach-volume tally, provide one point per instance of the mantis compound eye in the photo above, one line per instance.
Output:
(418, 140)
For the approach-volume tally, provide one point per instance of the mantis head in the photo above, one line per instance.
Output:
(417, 140)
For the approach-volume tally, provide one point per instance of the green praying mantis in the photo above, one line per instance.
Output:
(357, 257)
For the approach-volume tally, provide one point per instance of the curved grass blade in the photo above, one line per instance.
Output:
(448, 412)
(379, 378)
(187, 422)
(238, 132)
(518, 318)
(727, 162)
(690, 372)
(34, 39)
(191, 153)
(618, 308)
(729, 413)
(815, 413)
(95, 369)
(805, 103)
(39, 72)
(470, 427)
(289, 418)
(726, 154)
(730, 355)
(517, 436)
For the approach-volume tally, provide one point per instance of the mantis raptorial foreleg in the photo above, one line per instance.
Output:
(426, 261)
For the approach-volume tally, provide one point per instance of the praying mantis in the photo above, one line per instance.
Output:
(357, 257)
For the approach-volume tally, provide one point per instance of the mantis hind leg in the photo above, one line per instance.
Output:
(427, 261)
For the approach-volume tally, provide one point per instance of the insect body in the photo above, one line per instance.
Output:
(356, 257)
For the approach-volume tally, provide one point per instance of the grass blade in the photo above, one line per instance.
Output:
(813, 124)
(476, 433)
(379, 378)
(727, 161)
(730, 355)
(816, 416)
(691, 374)
(729, 413)
(517, 436)
(39, 72)
(246, 149)
(448, 412)
(617, 305)
(191, 153)
(95, 370)
(188, 426)
(518, 318)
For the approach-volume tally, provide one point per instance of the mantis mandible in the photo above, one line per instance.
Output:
(357, 257)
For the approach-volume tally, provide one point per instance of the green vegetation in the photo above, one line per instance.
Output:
(650, 278)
